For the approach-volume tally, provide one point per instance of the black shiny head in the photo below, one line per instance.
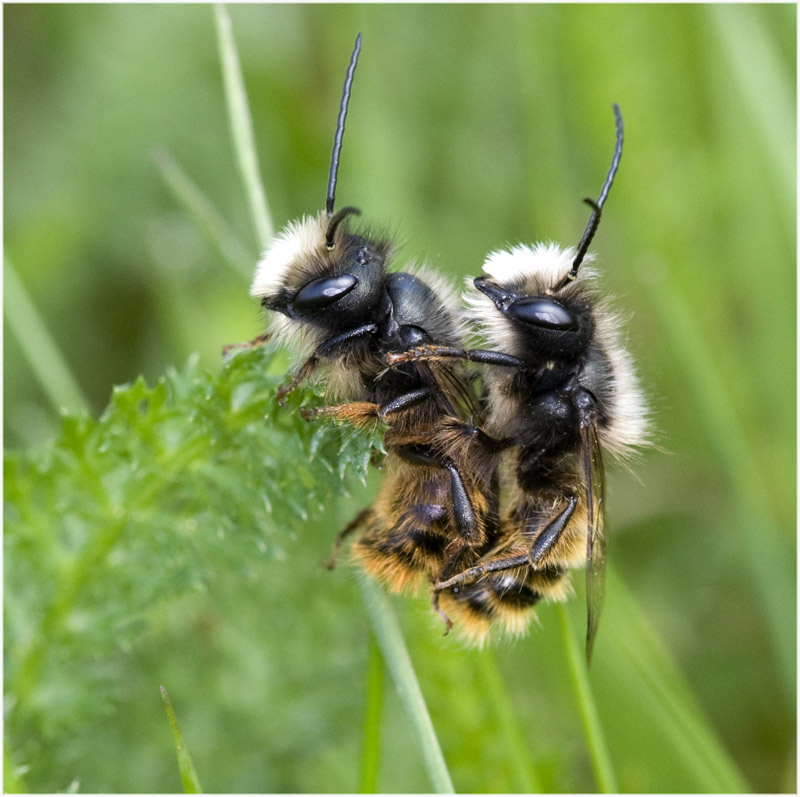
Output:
(546, 327)
(349, 291)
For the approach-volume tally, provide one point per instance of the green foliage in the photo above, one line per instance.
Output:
(471, 126)
(198, 474)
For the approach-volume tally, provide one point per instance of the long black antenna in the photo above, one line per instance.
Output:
(337, 139)
(597, 207)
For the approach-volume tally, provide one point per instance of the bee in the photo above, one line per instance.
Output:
(331, 294)
(562, 390)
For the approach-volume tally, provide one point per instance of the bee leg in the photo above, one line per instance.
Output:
(547, 540)
(358, 413)
(463, 512)
(328, 348)
(447, 621)
(404, 401)
(257, 341)
(454, 563)
(456, 430)
(476, 572)
(302, 373)
(309, 413)
(543, 545)
(432, 352)
(359, 520)
(362, 413)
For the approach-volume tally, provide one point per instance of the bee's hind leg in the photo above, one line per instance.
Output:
(548, 539)
(543, 545)
(474, 573)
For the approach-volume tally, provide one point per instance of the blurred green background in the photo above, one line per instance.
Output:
(470, 127)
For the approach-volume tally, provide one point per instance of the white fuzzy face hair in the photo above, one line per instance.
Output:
(294, 257)
(284, 263)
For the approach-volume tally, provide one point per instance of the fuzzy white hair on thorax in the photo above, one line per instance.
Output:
(534, 271)
(300, 240)
(629, 427)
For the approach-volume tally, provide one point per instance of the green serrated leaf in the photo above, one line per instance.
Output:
(119, 513)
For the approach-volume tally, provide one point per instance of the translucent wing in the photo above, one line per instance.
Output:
(453, 387)
(592, 459)
(458, 386)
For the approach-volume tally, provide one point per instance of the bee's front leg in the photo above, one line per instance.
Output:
(359, 520)
(257, 341)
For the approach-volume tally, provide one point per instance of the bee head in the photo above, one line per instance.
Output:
(531, 315)
(316, 270)
(538, 291)
(306, 279)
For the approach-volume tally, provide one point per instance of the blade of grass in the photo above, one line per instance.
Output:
(204, 213)
(242, 129)
(370, 761)
(598, 750)
(771, 567)
(191, 783)
(41, 351)
(395, 654)
(524, 776)
(12, 779)
(667, 696)
(765, 87)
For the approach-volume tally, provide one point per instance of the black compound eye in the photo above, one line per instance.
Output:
(319, 293)
(543, 313)
(411, 336)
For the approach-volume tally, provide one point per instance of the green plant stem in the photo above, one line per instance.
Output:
(41, 351)
(667, 697)
(191, 782)
(395, 654)
(766, 90)
(524, 776)
(598, 751)
(771, 569)
(200, 208)
(370, 761)
(242, 129)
